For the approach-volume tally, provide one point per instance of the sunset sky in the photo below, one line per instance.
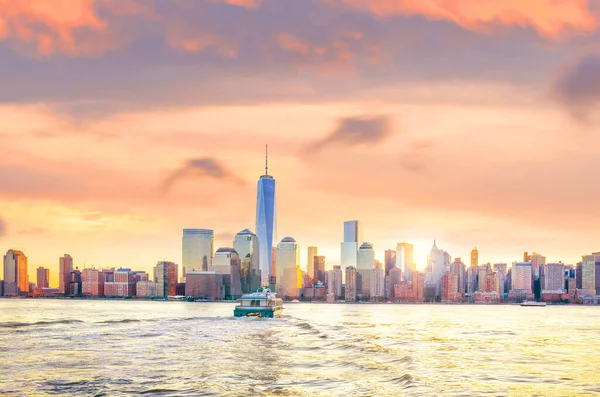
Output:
(472, 122)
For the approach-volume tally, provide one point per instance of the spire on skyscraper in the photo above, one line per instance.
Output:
(266, 160)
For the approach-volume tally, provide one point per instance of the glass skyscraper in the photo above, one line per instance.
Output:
(198, 247)
(266, 224)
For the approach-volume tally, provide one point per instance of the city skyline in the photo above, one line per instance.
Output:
(483, 139)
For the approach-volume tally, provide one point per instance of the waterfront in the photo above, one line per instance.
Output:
(64, 347)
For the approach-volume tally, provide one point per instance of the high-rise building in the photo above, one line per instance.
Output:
(458, 269)
(482, 271)
(437, 263)
(502, 270)
(227, 262)
(521, 277)
(588, 273)
(353, 231)
(165, 276)
(75, 283)
(377, 287)
(449, 288)
(310, 263)
(266, 223)
(92, 282)
(491, 282)
(65, 267)
(597, 271)
(246, 245)
(16, 280)
(472, 284)
(554, 278)
(365, 262)
(319, 269)
(289, 275)
(349, 247)
(417, 283)
(123, 285)
(536, 261)
(198, 247)
(334, 282)
(405, 259)
(394, 278)
(390, 261)
(43, 277)
(474, 257)
(350, 284)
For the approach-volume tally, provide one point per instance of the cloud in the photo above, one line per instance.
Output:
(199, 168)
(550, 18)
(2, 227)
(243, 3)
(354, 131)
(579, 86)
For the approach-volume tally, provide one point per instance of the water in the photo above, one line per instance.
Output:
(112, 348)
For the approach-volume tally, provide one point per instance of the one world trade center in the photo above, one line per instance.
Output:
(266, 223)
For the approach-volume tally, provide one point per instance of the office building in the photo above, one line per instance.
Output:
(334, 282)
(394, 278)
(405, 259)
(92, 282)
(536, 261)
(75, 287)
(349, 247)
(205, 285)
(437, 263)
(43, 277)
(588, 273)
(474, 258)
(266, 224)
(123, 284)
(16, 280)
(289, 275)
(417, 283)
(389, 261)
(450, 288)
(166, 276)
(246, 245)
(459, 270)
(227, 262)
(521, 276)
(350, 291)
(198, 246)
(145, 289)
(319, 269)
(365, 263)
(481, 273)
(377, 287)
(310, 262)
(597, 271)
(65, 267)
(554, 278)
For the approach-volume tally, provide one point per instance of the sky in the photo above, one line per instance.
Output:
(473, 123)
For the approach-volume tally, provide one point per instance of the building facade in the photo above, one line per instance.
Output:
(266, 224)
(289, 275)
(198, 247)
(65, 267)
(166, 276)
(350, 291)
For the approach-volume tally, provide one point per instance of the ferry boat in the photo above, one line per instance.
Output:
(262, 303)
(533, 303)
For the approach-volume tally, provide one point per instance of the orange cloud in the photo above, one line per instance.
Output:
(244, 3)
(551, 18)
(49, 25)
(292, 43)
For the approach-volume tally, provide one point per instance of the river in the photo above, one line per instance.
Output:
(123, 348)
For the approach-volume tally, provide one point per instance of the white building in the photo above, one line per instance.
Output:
(287, 270)
(377, 284)
(349, 247)
(554, 278)
(223, 259)
(334, 282)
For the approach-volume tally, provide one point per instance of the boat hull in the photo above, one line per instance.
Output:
(266, 312)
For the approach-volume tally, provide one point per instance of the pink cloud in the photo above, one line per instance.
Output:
(550, 18)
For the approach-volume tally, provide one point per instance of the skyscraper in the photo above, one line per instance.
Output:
(521, 277)
(350, 284)
(352, 236)
(365, 263)
(437, 263)
(554, 278)
(458, 269)
(289, 275)
(266, 223)
(198, 247)
(43, 277)
(334, 282)
(16, 280)
(246, 245)
(319, 269)
(405, 259)
(474, 257)
(165, 275)
(389, 261)
(588, 273)
(65, 267)
(312, 252)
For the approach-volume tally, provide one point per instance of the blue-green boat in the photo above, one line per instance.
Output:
(262, 303)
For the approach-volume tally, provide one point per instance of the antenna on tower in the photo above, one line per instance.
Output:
(267, 159)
